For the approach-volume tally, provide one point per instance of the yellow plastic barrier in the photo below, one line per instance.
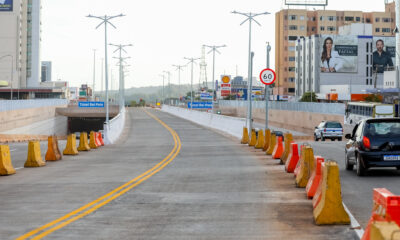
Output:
(329, 208)
(6, 167)
(70, 149)
(53, 153)
(83, 142)
(260, 140)
(288, 140)
(306, 167)
(34, 158)
(92, 143)
(253, 139)
(267, 138)
(385, 231)
(272, 144)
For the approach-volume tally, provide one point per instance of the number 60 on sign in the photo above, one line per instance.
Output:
(267, 76)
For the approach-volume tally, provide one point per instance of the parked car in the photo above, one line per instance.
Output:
(279, 134)
(373, 143)
(328, 130)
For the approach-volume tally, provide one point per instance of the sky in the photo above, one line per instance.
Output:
(162, 34)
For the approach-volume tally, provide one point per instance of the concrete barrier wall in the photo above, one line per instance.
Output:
(115, 128)
(230, 125)
(11, 105)
(40, 120)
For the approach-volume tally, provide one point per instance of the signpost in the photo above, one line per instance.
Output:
(200, 105)
(267, 77)
(206, 96)
(91, 104)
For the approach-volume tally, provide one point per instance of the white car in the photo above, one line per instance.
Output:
(329, 129)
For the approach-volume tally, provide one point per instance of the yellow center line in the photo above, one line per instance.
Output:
(72, 216)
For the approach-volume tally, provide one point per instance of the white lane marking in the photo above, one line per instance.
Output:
(355, 225)
(13, 150)
(19, 168)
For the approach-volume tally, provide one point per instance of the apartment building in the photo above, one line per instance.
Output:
(292, 24)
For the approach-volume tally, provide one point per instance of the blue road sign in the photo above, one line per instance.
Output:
(201, 105)
(91, 104)
(205, 96)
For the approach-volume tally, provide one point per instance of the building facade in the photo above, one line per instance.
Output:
(46, 71)
(20, 43)
(293, 24)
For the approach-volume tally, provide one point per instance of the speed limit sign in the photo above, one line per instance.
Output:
(267, 76)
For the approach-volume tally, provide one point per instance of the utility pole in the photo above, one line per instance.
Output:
(163, 79)
(102, 77)
(120, 48)
(250, 17)
(179, 68)
(106, 20)
(191, 60)
(266, 94)
(214, 49)
(169, 85)
(94, 74)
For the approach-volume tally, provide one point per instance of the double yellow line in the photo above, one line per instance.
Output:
(81, 212)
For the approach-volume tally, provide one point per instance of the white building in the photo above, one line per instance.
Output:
(20, 43)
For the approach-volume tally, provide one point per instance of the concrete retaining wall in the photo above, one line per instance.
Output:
(115, 128)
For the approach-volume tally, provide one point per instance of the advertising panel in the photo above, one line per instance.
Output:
(338, 53)
(225, 85)
(384, 53)
(6, 5)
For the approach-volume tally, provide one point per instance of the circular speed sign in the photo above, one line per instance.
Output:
(267, 76)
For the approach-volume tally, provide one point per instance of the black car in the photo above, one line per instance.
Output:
(373, 143)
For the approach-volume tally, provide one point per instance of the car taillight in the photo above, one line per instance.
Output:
(366, 143)
(324, 129)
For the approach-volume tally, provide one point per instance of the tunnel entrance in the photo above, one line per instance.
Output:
(85, 124)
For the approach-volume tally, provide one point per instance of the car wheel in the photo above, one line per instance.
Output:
(349, 166)
(361, 170)
(315, 138)
(339, 139)
(322, 138)
(332, 139)
(398, 168)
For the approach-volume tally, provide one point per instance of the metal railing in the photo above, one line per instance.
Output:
(8, 105)
(325, 108)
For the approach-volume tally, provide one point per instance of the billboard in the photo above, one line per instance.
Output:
(6, 5)
(225, 85)
(338, 53)
(385, 56)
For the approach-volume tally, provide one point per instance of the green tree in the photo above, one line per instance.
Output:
(133, 104)
(309, 97)
(373, 98)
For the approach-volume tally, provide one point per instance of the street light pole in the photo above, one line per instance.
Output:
(94, 74)
(179, 68)
(169, 85)
(250, 17)
(191, 60)
(163, 78)
(106, 20)
(214, 49)
(266, 94)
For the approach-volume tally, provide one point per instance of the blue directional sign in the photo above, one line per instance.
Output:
(91, 104)
(6, 5)
(205, 96)
(201, 105)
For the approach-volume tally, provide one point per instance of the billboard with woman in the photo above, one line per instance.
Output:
(338, 54)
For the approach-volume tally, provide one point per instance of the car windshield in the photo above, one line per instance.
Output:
(383, 129)
(333, 125)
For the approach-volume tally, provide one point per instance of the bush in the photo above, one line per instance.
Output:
(309, 97)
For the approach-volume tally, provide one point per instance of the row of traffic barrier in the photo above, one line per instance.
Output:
(320, 178)
(34, 158)
(321, 181)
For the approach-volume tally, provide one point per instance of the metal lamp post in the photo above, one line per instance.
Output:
(169, 85)
(214, 49)
(179, 68)
(106, 20)
(163, 79)
(266, 94)
(250, 17)
(191, 60)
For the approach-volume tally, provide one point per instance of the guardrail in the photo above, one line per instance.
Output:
(8, 105)
(325, 108)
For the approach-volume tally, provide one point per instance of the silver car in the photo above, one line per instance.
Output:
(329, 129)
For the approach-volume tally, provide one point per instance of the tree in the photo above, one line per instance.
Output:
(133, 104)
(309, 97)
(373, 98)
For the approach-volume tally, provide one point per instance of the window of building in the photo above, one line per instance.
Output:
(291, 90)
(313, 19)
(301, 17)
(349, 18)
(367, 20)
(302, 28)
(332, 18)
(330, 28)
(292, 69)
(313, 29)
(386, 30)
(367, 59)
(291, 79)
(321, 18)
(367, 72)
(322, 28)
(367, 48)
(358, 19)
(377, 19)
(292, 27)
(292, 17)
(292, 59)
(386, 20)
(370, 81)
(292, 48)
(377, 29)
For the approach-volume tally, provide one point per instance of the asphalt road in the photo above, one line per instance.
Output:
(357, 191)
(203, 186)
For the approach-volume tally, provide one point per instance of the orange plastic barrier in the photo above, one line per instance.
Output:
(100, 139)
(53, 153)
(297, 169)
(96, 138)
(318, 192)
(293, 158)
(278, 150)
(316, 176)
(386, 209)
